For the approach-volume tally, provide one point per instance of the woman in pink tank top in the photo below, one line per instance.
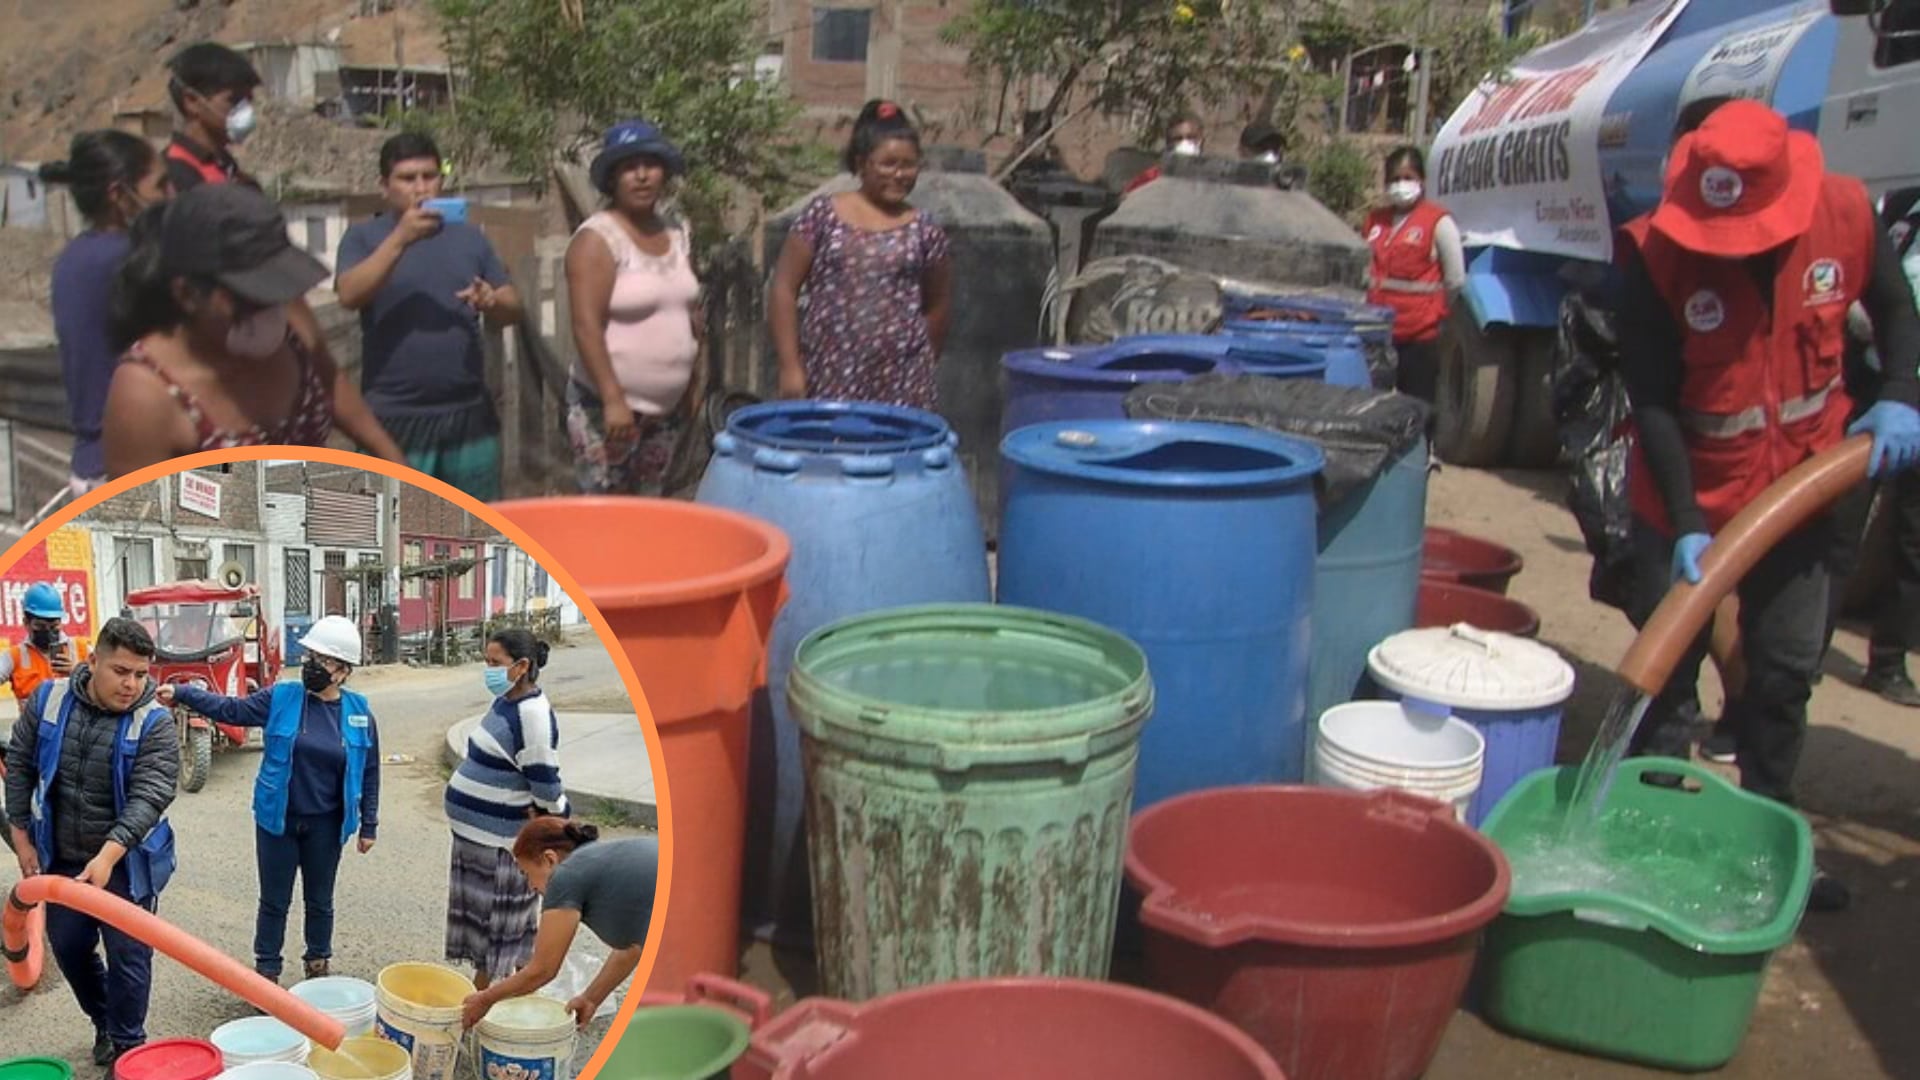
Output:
(636, 326)
(221, 349)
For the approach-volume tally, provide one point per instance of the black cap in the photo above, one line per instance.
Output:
(236, 236)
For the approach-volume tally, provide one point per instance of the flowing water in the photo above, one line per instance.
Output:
(1690, 874)
(1602, 762)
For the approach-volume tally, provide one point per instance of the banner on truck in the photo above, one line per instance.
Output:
(1518, 165)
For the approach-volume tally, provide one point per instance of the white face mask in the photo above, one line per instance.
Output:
(240, 122)
(1404, 193)
(1187, 148)
(260, 334)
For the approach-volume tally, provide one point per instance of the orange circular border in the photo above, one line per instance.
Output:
(174, 466)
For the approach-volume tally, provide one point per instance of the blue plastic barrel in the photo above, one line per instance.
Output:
(1367, 575)
(1196, 541)
(1344, 351)
(1092, 382)
(878, 509)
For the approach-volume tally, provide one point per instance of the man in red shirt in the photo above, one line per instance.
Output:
(1734, 305)
(212, 88)
(1183, 137)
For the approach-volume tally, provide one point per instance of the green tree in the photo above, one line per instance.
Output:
(1143, 58)
(537, 82)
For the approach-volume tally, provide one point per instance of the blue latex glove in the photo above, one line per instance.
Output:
(1896, 436)
(1686, 556)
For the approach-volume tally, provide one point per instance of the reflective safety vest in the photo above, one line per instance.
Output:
(1762, 388)
(1406, 274)
(31, 667)
(150, 862)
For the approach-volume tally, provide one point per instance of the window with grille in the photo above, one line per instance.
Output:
(299, 581)
(468, 579)
(335, 563)
(411, 555)
(840, 35)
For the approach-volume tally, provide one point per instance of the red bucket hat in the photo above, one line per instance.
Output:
(1741, 184)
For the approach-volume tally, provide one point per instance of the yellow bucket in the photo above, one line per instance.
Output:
(420, 1012)
(366, 1057)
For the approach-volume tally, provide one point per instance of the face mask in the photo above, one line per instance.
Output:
(240, 122)
(1403, 192)
(499, 679)
(314, 676)
(44, 640)
(1268, 158)
(1187, 148)
(260, 334)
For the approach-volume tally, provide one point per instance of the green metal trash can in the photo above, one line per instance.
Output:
(969, 770)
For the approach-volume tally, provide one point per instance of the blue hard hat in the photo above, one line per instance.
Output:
(43, 602)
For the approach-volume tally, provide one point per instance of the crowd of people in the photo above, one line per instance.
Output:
(93, 762)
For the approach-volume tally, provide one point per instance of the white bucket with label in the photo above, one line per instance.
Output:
(350, 1001)
(268, 1070)
(419, 1010)
(1368, 745)
(531, 1038)
(259, 1040)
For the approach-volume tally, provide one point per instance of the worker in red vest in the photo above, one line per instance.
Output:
(212, 88)
(46, 653)
(1418, 264)
(1733, 309)
(1184, 139)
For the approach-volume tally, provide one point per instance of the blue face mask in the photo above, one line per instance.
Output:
(498, 680)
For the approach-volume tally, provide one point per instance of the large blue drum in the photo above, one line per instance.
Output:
(1197, 541)
(877, 506)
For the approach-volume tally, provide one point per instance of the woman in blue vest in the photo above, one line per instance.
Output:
(319, 786)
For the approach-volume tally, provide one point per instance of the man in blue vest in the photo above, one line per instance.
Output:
(91, 769)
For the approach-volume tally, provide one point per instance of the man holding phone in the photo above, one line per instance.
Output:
(47, 653)
(422, 279)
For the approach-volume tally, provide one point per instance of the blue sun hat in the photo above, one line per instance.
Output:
(631, 139)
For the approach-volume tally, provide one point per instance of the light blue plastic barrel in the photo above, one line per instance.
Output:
(877, 505)
(1512, 690)
(1195, 540)
(1367, 575)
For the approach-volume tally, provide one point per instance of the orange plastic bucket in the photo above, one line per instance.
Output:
(691, 591)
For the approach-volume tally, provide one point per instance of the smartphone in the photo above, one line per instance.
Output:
(452, 211)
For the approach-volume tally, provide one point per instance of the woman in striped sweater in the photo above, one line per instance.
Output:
(511, 774)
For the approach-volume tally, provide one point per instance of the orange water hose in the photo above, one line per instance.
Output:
(1790, 502)
(22, 937)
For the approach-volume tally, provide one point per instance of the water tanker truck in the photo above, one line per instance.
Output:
(1541, 167)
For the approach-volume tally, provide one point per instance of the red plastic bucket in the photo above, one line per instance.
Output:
(170, 1059)
(1444, 603)
(1006, 1028)
(1449, 555)
(1337, 928)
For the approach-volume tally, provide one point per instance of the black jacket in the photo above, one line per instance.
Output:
(82, 796)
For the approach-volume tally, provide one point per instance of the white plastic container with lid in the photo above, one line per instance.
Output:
(1512, 690)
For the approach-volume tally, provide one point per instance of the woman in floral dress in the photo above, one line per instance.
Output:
(875, 277)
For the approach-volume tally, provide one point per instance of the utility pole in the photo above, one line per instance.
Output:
(390, 555)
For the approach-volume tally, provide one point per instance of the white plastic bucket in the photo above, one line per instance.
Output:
(259, 1040)
(419, 1009)
(527, 1037)
(268, 1070)
(368, 1057)
(1368, 745)
(350, 1001)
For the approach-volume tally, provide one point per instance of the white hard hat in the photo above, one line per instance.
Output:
(334, 636)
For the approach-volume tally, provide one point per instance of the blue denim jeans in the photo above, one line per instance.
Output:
(310, 846)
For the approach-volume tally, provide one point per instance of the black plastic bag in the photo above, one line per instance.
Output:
(1594, 417)
(1360, 431)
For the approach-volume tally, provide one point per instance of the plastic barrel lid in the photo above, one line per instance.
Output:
(171, 1059)
(35, 1068)
(1462, 667)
